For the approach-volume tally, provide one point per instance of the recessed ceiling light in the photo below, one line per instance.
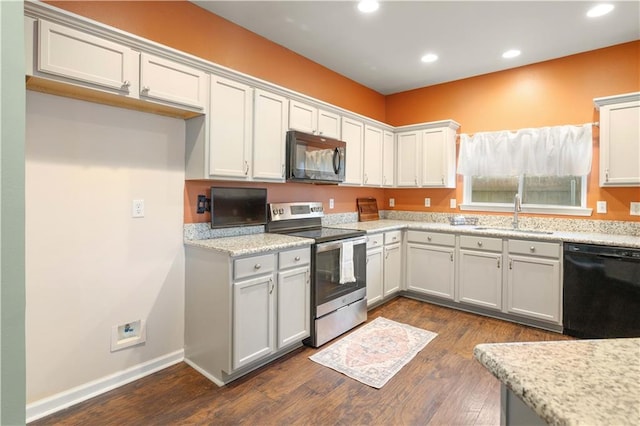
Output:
(511, 53)
(429, 57)
(368, 6)
(599, 10)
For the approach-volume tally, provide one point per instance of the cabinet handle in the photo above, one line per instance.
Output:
(257, 266)
(510, 263)
(145, 89)
(498, 263)
(442, 179)
(386, 254)
(452, 257)
(429, 238)
(384, 180)
(297, 258)
(415, 179)
(366, 178)
(479, 243)
(246, 168)
(367, 262)
(272, 285)
(394, 238)
(126, 84)
(532, 249)
(306, 273)
(606, 175)
(283, 170)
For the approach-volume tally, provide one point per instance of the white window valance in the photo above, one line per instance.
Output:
(545, 151)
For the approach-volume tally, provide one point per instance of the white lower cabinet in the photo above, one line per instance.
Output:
(534, 283)
(253, 319)
(392, 269)
(384, 266)
(243, 312)
(480, 271)
(431, 263)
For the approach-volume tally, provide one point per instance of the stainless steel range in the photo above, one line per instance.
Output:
(338, 268)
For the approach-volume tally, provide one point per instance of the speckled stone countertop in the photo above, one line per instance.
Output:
(383, 225)
(578, 382)
(250, 244)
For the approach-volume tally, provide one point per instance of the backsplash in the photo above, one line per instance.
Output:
(203, 231)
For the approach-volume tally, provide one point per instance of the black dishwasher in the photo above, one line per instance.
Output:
(601, 291)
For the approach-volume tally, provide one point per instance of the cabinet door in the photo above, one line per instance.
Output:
(533, 288)
(76, 55)
(388, 159)
(303, 117)
(294, 311)
(372, 156)
(230, 128)
(353, 135)
(165, 80)
(430, 270)
(328, 124)
(270, 131)
(392, 269)
(620, 144)
(253, 319)
(408, 145)
(436, 161)
(375, 276)
(480, 278)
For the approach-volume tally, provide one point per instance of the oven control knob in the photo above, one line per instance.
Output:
(281, 211)
(275, 212)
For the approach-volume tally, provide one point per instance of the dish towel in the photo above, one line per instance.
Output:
(346, 263)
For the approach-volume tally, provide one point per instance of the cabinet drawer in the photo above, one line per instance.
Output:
(291, 258)
(480, 243)
(392, 237)
(431, 238)
(375, 240)
(254, 265)
(535, 248)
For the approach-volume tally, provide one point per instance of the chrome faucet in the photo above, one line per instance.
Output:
(517, 207)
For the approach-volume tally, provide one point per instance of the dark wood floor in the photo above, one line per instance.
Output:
(442, 385)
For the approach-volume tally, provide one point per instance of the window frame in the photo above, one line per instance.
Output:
(581, 210)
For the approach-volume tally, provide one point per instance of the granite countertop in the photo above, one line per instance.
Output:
(577, 382)
(383, 225)
(250, 244)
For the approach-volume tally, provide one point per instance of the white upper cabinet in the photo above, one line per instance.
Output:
(373, 143)
(309, 119)
(427, 155)
(230, 125)
(619, 140)
(166, 80)
(353, 135)
(84, 58)
(269, 134)
(388, 159)
(408, 145)
(439, 158)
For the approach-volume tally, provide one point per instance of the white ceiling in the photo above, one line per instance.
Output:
(382, 50)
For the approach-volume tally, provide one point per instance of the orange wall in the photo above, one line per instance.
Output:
(549, 93)
(544, 94)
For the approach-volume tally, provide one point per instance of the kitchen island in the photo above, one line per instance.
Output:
(577, 382)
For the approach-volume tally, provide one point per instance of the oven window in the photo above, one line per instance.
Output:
(327, 278)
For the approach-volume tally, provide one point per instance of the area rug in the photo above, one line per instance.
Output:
(375, 352)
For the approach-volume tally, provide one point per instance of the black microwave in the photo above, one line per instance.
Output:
(313, 158)
(232, 207)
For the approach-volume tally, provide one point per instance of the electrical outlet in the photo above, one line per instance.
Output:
(453, 203)
(634, 209)
(392, 202)
(137, 208)
(427, 202)
(601, 207)
(331, 203)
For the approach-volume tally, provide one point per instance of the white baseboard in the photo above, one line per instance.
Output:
(204, 372)
(62, 400)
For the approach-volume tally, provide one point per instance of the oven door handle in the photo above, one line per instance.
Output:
(334, 245)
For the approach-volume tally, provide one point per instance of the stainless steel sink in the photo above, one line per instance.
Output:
(524, 231)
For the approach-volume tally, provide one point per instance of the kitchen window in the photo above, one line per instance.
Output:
(548, 167)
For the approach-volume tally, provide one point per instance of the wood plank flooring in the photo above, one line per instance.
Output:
(442, 385)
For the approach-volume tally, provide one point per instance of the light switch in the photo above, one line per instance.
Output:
(452, 203)
(634, 209)
(392, 202)
(427, 202)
